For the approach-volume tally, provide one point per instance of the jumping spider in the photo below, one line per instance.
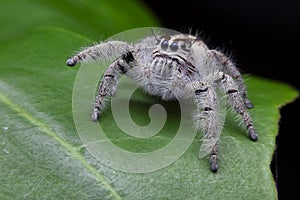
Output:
(174, 67)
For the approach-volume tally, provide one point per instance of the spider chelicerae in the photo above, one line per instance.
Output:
(175, 66)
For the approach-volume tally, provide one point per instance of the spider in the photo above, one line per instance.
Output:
(175, 66)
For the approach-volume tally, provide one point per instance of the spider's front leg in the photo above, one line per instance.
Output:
(229, 68)
(230, 88)
(112, 49)
(110, 81)
(207, 104)
(108, 85)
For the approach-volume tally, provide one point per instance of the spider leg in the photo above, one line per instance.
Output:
(230, 88)
(119, 50)
(111, 49)
(230, 69)
(109, 82)
(206, 100)
(106, 87)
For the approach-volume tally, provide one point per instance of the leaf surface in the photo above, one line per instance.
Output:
(41, 155)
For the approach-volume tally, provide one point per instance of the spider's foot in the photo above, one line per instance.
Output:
(252, 134)
(248, 104)
(214, 163)
(95, 115)
(71, 62)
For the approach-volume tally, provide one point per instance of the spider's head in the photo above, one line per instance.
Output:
(176, 44)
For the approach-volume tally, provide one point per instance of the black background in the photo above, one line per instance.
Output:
(262, 36)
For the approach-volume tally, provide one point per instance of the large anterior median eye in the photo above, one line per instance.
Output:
(174, 46)
(164, 45)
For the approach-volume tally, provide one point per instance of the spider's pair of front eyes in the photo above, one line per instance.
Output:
(173, 46)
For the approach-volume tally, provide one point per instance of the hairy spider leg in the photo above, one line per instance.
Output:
(229, 68)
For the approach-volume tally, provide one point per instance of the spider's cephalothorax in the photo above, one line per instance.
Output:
(174, 67)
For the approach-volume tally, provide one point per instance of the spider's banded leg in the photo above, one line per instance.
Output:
(111, 49)
(230, 69)
(108, 85)
(228, 85)
(206, 100)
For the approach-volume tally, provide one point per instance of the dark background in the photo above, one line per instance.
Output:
(262, 36)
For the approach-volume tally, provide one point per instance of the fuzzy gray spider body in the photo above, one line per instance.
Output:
(175, 67)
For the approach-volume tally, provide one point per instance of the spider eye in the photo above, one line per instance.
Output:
(183, 47)
(174, 46)
(164, 45)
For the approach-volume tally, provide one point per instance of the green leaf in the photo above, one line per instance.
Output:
(94, 18)
(41, 154)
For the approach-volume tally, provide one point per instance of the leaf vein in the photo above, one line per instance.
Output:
(67, 146)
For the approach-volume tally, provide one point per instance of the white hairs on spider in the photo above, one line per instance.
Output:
(176, 66)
